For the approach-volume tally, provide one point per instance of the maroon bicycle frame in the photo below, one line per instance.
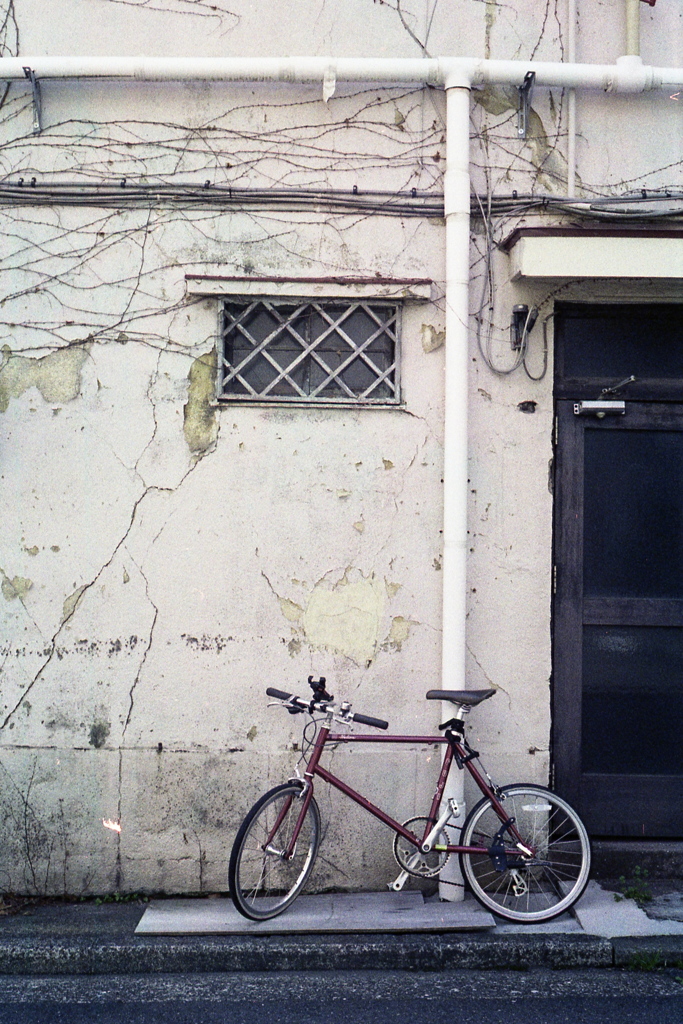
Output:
(453, 748)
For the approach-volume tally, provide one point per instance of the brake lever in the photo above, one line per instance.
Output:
(293, 709)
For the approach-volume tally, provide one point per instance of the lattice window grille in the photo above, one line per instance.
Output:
(286, 351)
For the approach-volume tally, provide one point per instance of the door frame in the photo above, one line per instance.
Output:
(594, 794)
(650, 405)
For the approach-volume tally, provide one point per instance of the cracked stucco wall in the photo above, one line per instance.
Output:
(163, 560)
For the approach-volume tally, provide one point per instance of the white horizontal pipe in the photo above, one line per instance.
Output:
(253, 69)
(628, 74)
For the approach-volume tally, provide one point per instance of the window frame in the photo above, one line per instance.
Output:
(314, 400)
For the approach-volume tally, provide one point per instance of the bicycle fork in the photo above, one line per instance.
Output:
(306, 796)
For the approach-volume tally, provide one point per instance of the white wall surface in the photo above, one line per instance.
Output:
(164, 560)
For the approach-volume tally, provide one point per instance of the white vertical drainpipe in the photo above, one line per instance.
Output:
(457, 212)
(571, 100)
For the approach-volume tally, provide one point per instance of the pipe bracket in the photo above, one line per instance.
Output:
(525, 92)
(37, 104)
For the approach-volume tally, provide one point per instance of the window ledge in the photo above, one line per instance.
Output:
(315, 405)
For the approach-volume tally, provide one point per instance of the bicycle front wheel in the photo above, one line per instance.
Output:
(263, 882)
(535, 888)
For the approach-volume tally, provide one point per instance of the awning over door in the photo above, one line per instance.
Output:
(595, 253)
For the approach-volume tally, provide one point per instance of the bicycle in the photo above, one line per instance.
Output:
(524, 852)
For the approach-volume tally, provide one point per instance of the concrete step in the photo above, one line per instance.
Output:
(661, 858)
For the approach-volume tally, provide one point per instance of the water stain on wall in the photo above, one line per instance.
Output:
(98, 734)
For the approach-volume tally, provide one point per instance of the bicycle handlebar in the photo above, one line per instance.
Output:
(365, 720)
(302, 705)
(277, 693)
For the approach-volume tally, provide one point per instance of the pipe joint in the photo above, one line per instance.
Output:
(456, 191)
(630, 75)
(458, 74)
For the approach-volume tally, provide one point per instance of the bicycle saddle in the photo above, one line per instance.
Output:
(470, 697)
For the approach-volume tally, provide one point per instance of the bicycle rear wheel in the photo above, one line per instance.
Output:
(534, 888)
(262, 881)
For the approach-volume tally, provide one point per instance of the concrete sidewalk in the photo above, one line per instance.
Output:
(343, 932)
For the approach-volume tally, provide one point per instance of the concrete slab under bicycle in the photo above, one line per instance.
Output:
(596, 913)
(331, 913)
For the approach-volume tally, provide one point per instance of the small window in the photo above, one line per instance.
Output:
(294, 350)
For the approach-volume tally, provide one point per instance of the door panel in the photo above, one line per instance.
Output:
(633, 500)
(632, 702)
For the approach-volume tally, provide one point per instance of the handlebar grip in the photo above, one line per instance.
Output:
(278, 693)
(365, 720)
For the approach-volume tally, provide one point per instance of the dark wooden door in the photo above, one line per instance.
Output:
(618, 607)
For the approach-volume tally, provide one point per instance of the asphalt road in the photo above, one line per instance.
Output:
(339, 997)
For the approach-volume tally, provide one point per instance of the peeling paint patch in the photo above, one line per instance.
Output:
(291, 611)
(57, 376)
(345, 616)
(496, 99)
(200, 424)
(431, 338)
(15, 587)
(399, 633)
(499, 100)
(71, 603)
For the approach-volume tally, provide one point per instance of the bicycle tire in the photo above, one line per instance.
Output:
(262, 883)
(528, 889)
